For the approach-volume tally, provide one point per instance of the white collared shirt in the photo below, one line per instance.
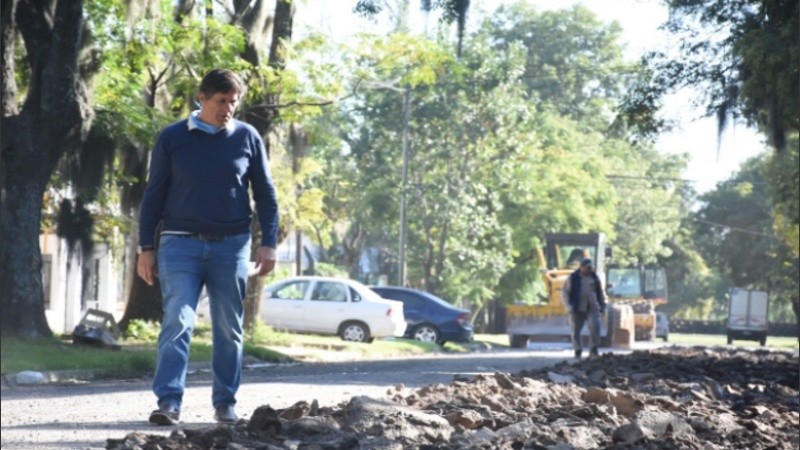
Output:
(194, 123)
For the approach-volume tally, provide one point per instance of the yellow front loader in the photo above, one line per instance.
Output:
(549, 321)
(643, 288)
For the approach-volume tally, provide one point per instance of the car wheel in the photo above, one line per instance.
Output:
(426, 333)
(354, 332)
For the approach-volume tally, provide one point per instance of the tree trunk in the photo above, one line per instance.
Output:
(144, 302)
(53, 121)
(255, 19)
(261, 117)
(21, 278)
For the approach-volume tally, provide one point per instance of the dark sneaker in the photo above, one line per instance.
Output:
(165, 415)
(578, 354)
(225, 414)
(593, 353)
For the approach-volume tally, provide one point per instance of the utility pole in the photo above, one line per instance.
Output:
(401, 251)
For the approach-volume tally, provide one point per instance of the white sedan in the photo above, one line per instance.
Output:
(324, 305)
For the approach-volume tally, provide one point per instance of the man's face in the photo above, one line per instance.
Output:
(218, 109)
(586, 270)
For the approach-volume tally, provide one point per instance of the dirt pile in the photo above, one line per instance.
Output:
(672, 398)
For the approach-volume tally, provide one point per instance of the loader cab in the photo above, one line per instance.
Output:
(564, 251)
(635, 283)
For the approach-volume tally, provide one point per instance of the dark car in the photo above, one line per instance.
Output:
(429, 318)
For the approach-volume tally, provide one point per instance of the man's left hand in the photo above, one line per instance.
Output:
(265, 260)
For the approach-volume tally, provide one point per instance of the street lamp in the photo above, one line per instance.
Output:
(401, 250)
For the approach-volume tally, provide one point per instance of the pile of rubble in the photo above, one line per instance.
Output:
(671, 398)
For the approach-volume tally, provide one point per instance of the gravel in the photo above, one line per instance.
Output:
(692, 398)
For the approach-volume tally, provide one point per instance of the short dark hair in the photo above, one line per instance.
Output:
(222, 80)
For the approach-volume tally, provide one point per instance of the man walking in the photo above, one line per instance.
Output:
(584, 299)
(201, 171)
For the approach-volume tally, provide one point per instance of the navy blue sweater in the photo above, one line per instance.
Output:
(199, 183)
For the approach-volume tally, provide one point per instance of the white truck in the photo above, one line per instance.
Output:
(748, 317)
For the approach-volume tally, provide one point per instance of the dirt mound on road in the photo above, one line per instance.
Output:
(671, 398)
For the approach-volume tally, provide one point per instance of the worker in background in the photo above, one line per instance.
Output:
(585, 299)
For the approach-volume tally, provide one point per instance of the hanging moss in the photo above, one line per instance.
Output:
(74, 224)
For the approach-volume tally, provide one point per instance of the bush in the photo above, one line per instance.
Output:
(330, 270)
(143, 330)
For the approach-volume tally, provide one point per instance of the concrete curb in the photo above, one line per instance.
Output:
(79, 376)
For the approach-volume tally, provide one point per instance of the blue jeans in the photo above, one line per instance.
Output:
(185, 265)
(578, 320)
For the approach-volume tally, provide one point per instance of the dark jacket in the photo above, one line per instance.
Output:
(575, 290)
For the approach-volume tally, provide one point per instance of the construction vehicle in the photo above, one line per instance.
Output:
(642, 287)
(548, 321)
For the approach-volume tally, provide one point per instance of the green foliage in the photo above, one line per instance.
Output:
(649, 201)
(330, 270)
(261, 334)
(735, 232)
(783, 169)
(695, 291)
(574, 61)
(747, 70)
(45, 355)
(515, 142)
(142, 330)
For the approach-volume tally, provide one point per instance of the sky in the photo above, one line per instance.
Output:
(711, 159)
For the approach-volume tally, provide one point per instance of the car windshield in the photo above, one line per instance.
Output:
(624, 283)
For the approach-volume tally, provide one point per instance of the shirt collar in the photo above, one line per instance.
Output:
(194, 123)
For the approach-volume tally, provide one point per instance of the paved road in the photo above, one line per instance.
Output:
(83, 416)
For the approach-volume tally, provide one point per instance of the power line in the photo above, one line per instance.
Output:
(732, 228)
(679, 180)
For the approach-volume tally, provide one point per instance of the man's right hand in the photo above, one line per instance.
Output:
(146, 266)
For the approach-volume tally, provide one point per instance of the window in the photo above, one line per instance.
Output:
(354, 296)
(570, 256)
(328, 291)
(295, 290)
(625, 283)
(410, 302)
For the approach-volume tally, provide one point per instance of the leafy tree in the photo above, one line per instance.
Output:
(649, 195)
(497, 162)
(54, 94)
(574, 61)
(451, 11)
(151, 64)
(734, 231)
(741, 58)
(574, 74)
(741, 55)
(784, 192)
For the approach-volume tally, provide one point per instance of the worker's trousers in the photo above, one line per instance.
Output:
(578, 319)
